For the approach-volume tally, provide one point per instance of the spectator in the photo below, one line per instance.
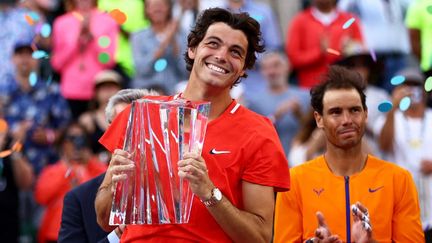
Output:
(382, 23)
(107, 83)
(76, 165)
(384, 195)
(79, 217)
(16, 175)
(135, 21)
(270, 30)
(159, 59)
(77, 54)
(405, 137)
(234, 191)
(418, 22)
(14, 29)
(316, 38)
(308, 143)
(35, 111)
(285, 104)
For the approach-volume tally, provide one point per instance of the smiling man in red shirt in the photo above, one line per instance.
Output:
(242, 162)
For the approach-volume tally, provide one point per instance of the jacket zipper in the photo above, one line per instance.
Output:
(347, 210)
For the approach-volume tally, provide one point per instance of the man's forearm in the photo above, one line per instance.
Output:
(240, 225)
(103, 203)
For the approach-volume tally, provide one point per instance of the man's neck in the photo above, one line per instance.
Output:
(23, 82)
(219, 99)
(278, 89)
(345, 162)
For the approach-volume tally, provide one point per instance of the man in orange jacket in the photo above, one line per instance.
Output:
(329, 185)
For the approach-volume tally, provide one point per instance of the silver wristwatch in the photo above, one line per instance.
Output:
(216, 197)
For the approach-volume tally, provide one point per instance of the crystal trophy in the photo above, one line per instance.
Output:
(157, 135)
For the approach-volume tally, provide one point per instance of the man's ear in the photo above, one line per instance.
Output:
(318, 119)
(191, 52)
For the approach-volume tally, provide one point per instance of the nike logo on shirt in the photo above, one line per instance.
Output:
(376, 189)
(214, 151)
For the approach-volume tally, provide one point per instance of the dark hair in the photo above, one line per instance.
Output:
(238, 21)
(338, 77)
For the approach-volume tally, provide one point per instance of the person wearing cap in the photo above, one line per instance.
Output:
(107, 83)
(14, 28)
(35, 110)
(405, 136)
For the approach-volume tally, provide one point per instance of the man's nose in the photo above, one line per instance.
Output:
(221, 54)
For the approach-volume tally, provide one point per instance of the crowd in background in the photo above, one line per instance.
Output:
(61, 61)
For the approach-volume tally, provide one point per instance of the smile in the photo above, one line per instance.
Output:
(217, 69)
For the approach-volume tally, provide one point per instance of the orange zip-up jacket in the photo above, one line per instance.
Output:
(387, 190)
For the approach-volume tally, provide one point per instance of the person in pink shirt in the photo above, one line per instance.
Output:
(84, 43)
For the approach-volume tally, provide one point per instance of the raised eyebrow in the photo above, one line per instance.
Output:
(213, 38)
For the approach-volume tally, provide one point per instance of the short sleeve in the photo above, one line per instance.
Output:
(267, 165)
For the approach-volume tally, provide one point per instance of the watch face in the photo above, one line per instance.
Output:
(217, 194)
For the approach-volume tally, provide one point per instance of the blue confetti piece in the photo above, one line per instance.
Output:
(33, 78)
(49, 80)
(257, 17)
(348, 23)
(405, 103)
(39, 54)
(160, 65)
(45, 30)
(385, 106)
(396, 80)
(35, 17)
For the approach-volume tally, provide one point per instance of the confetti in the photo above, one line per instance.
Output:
(118, 16)
(347, 24)
(396, 80)
(373, 55)
(17, 146)
(35, 17)
(405, 103)
(5, 153)
(39, 54)
(333, 51)
(3, 125)
(33, 78)
(104, 41)
(103, 57)
(257, 17)
(45, 30)
(29, 19)
(78, 16)
(160, 65)
(385, 106)
(428, 84)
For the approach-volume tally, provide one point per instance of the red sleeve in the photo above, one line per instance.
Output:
(113, 138)
(268, 164)
(299, 54)
(51, 183)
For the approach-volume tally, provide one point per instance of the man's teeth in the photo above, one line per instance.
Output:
(215, 68)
